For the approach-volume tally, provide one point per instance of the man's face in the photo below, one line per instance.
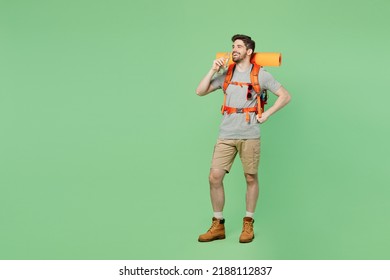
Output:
(239, 51)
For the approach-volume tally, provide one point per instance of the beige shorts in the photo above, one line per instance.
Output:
(226, 150)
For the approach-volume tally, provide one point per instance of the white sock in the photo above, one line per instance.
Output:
(218, 215)
(249, 214)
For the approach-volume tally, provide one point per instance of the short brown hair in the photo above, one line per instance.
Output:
(249, 43)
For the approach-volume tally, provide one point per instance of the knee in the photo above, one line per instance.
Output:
(215, 178)
(251, 179)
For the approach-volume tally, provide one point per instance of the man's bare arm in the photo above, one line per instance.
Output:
(282, 100)
(204, 86)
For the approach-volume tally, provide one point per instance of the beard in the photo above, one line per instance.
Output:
(238, 58)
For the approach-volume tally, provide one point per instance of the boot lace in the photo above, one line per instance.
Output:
(248, 227)
(213, 225)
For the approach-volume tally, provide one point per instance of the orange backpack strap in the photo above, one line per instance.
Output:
(255, 77)
(228, 78)
(256, 86)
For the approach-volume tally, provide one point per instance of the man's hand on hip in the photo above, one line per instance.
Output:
(264, 117)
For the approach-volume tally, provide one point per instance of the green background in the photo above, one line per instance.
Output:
(105, 147)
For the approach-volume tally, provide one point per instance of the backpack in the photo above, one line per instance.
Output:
(258, 60)
(261, 95)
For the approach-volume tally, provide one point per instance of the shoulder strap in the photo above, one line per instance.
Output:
(255, 77)
(228, 78)
(256, 86)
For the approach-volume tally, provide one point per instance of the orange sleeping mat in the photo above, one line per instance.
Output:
(260, 58)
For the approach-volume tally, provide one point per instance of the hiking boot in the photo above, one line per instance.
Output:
(247, 234)
(216, 231)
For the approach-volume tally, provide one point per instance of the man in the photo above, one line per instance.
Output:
(239, 133)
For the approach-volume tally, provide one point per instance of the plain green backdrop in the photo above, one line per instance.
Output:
(105, 147)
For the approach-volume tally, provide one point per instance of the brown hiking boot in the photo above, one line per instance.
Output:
(247, 234)
(216, 231)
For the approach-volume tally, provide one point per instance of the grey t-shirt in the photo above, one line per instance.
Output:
(235, 126)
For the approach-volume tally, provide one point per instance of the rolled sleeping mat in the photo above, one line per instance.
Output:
(260, 58)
